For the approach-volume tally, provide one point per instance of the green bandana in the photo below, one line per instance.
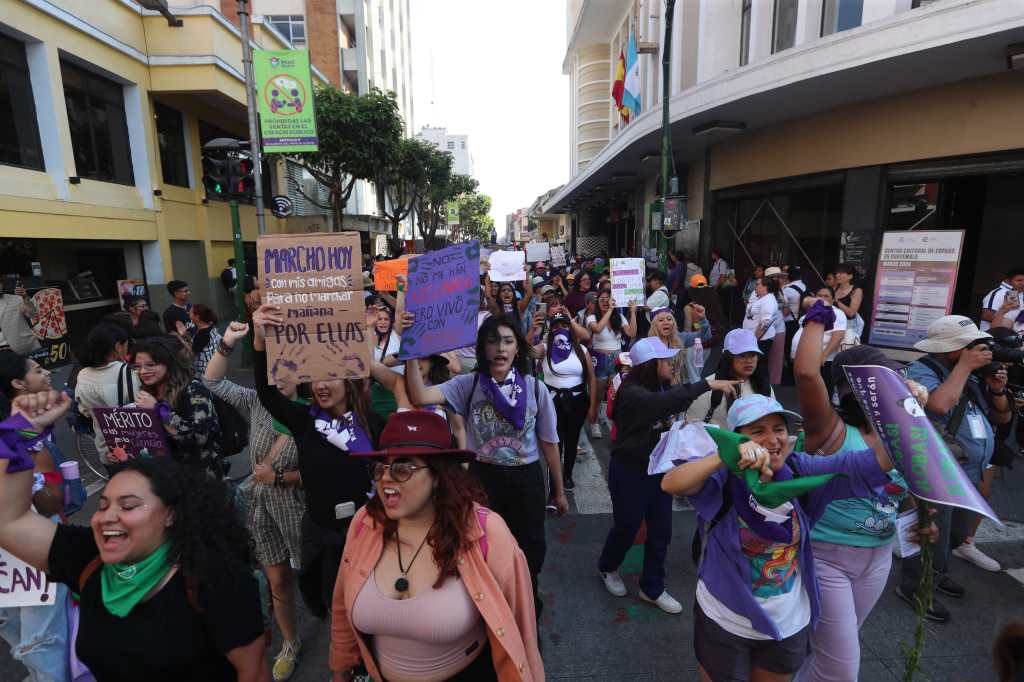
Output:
(769, 494)
(124, 585)
(281, 428)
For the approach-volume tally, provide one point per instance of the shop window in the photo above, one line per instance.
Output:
(99, 129)
(170, 131)
(840, 15)
(291, 26)
(19, 131)
(451, 144)
(745, 11)
(784, 25)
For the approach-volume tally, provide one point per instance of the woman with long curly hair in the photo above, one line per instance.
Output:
(435, 586)
(664, 326)
(164, 570)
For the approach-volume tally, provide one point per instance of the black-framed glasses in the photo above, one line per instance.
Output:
(400, 471)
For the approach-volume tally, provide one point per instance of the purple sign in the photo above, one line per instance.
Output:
(911, 440)
(444, 297)
(132, 431)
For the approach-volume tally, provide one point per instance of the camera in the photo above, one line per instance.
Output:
(1005, 347)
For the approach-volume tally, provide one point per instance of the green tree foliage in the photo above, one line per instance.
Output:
(475, 221)
(439, 187)
(400, 182)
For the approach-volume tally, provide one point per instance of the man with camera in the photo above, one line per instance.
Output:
(1004, 305)
(967, 396)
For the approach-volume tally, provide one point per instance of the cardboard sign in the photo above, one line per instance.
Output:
(558, 256)
(538, 251)
(444, 297)
(22, 585)
(316, 280)
(132, 431)
(628, 281)
(386, 272)
(507, 266)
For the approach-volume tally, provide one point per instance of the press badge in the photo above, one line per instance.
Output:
(977, 426)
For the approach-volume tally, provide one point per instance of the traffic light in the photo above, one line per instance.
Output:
(243, 183)
(227, 175)
(216, 174)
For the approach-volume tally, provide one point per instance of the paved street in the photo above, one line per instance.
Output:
(589, 635)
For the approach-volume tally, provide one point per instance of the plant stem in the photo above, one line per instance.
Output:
(923, 595)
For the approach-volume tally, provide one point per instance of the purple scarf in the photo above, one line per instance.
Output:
(345, 433)
(513, 412)
(561, 346)
(741, 496)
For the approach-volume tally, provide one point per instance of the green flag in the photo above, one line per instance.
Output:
(284, 98)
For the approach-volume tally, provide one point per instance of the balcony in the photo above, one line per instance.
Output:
(350, 62)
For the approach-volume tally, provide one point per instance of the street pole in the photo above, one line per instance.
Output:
(254, 131)
(240, 275)
(666, 135)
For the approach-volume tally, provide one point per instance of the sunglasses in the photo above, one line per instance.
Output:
(400, 471)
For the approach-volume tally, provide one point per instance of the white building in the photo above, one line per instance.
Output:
(456, 145)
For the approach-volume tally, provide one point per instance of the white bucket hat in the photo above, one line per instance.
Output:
(950, 333)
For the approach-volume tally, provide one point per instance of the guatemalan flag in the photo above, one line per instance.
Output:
(631, 96)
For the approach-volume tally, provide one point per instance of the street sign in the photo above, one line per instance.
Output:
(281, 206)
(284, 97)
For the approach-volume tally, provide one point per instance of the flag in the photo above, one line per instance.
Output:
(631, 95)
(618, 88)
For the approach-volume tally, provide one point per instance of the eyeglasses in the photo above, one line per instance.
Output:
(400, 471)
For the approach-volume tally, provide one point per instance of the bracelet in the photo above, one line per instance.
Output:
(279, 477)
(224, 349)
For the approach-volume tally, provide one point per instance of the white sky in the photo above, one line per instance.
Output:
(492, 69)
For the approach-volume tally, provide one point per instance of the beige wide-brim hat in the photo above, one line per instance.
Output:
(950, 333)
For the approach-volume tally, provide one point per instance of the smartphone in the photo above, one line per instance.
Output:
(538, 306)
(344, 510)
(1013, 297)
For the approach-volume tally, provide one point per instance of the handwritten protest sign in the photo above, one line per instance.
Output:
(386, 272)
(538, 251)
(135, 431)
(316, 280)
(628, 281)
(22, 585)
(444, 297)
(558, 256)
(911, 441)
(507, 266)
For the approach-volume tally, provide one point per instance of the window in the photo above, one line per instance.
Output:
(170, 133)
(291, 26)
(745, 33)
(840, 15)
(784, 25)
(463, 144)
(99, 130)
(19, 131)
(451, 144)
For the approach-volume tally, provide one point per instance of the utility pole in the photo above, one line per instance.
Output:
(254, 129)
(666, 133)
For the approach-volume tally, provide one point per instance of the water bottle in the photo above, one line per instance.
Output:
(698, 354)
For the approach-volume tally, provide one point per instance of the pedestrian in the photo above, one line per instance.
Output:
(164, 572)
(589, 308)
(1004, 305)
(748, 288)
(229, 277)
(777, 352)
(575, 300)
(664, 327)
(275, 502)
(145, 322)
(206, 338)
(609, 332)
(719, 272)
(677, 280)
(794, 292)
(849, 298)
(179, 308)
(644, 407)
(760, 315)
(510, 423)
(106, 379)
(16, 309)
(336, 424)
(435, 587)
(658, 296)
(832, 340)
(742, 361)
(386, 344)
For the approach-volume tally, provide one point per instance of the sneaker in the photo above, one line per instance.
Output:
(613, 583)
(569, 484)
(969, 552)
(937, 613)
(949, 587)
(595, 430)
(665, 602)
(286, 660)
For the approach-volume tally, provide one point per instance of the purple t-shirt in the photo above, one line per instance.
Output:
(491, 436)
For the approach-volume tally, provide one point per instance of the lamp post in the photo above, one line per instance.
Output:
(254, 130)
(666, 134)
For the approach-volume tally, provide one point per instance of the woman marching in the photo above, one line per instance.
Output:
(761, 313)
(106, 380)
(435, 587)
(664, 327)
(849, 297)
(609, 330)
(741, 359)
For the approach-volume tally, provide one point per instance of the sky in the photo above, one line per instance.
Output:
(492, 69)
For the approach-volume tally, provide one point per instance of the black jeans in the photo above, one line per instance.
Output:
(572, 413)
(517, 494)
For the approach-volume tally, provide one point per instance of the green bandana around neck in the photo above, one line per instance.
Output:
(769, 494)
(124, 585)
(281, 428)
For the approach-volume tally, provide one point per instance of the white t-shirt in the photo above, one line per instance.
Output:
(658, 299)
(606, 340)
(568, 373)
(838, 328)
(394, 343)
(761, 310)
(778, 319)
(791, 612)
(718, 271)
(794, 291)
(994, 299)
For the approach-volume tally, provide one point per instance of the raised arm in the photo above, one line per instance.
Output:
(629, 329)
(292, 415)
(820, 419)
(239, 397)
(524, 302)
(419, 393)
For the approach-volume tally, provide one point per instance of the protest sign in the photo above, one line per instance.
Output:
(444, 297)
(538, 251)
(911, 440)
(22, 585)
(558, 256)
(507, 266)
(316, 280)
(133, 431)
(386, 272)
(284, 97)
(628, 281)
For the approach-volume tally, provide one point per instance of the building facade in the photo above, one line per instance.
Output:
(456, 145)
(799, 127)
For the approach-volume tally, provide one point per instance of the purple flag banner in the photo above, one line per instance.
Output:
(912, 441)
(444, 298)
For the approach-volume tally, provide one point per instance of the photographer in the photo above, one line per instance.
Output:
(967, 396)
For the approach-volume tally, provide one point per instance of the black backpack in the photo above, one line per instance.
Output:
(234, 429)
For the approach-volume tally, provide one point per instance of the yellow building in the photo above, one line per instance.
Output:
(104, 108)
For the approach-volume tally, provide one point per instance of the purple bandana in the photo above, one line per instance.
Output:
(17, 437)
(344, 433)
(561, 346)
(741, 496)
(508, 307)
(820, 312)
(514, 410)
(658, 311)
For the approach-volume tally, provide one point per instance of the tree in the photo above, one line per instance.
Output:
(359, 135)
(475, 221)
(400, 182)
(439, 186)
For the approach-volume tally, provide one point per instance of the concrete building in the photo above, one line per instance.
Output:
(801, 126)
(456, 145)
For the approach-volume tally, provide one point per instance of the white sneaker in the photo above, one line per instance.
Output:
(665, 602)
(613, 583)
(595, 430)
(968, 552)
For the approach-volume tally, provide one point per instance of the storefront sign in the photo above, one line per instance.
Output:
(130, 287)
(132, 432)
(628, 281)
(51, 328)
(443, 297)
(284, 97)
(22, 585)
(316, 281)
(914, 284)
(507, 266)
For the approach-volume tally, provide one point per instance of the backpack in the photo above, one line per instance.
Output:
(234, 429)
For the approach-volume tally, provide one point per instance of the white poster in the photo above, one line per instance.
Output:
(507, 266)
(22, 585)
(558, 256)
(538, 251)
(628, 281)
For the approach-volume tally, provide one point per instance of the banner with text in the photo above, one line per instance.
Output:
(316, 280)
(507, 266)
(628, 281)
(558, 256)
(538, 251)
(911, 440)
(132, 431)
(22, 585)
(444, 297)
(284, 98)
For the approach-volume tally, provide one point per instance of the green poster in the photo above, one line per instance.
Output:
(284, 98)
(453, 212)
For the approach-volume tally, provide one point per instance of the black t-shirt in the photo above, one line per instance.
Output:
(174, 314)
(164, 639)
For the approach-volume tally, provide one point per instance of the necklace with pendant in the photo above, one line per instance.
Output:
(402, 583)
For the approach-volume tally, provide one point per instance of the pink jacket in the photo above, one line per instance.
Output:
(500, 586)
